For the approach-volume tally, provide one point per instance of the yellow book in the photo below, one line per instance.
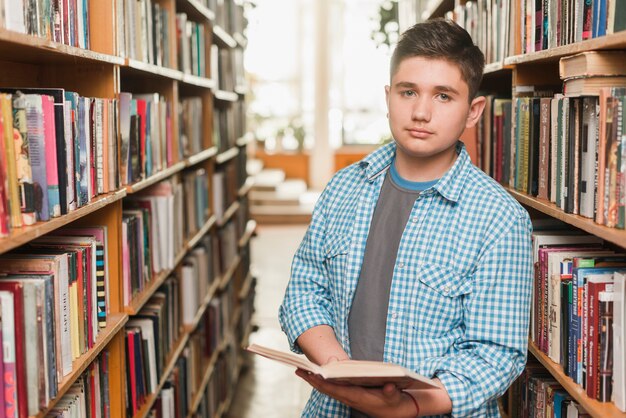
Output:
(74, 333)
(13, 191)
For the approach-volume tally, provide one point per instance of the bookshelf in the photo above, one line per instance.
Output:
(526, 64)
(113, 64)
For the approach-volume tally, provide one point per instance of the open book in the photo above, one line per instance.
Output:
(356, 372)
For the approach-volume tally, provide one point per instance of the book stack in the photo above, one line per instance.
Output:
(53, 297)
(65, 22)
(147, 140)
(152, 232)
(144, 32)
(57, 153)
(572, 316)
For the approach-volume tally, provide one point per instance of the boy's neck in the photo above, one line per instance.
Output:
(423, 169)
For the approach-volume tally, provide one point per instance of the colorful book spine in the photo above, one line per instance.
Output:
(52, 174)
(22, 161)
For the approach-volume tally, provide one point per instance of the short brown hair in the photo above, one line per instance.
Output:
(442, 39)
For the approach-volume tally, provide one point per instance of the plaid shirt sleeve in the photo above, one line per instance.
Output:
(493, 351)
(307, 302)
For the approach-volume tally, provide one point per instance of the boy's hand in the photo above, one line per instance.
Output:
(376, 402)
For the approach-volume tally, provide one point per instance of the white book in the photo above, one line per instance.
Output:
(619, 341)
(167, 403)
(147, 334)
(14, 15)
(189, 290)
(589, 158)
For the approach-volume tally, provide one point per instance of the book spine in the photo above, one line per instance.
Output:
(606, 346)
(50, 142)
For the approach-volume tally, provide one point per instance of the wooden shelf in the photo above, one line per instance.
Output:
(189, 328)
(247, 186)
(201, 232)
(245, 338)
(616, 236)
(197, 397)
(33, 49)
(245, 140)
(227, 155)
(240, 39)
(196, 9)
(437, 8)
(198, 81)
(496, 68)
(142, 297)
(223, 38)
(613, 41)
(226, 96)
(245, 287)
(232, 209)
(594, 408)
(228, 275)
(201, 156)
(155, 178)
(20, 236)
(146, 68)
(115, 322)
(250, 228)
(169, 366)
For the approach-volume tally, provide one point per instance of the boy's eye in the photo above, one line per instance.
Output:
(408, 93)
(444, 97)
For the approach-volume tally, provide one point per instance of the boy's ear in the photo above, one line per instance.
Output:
(387, 90)
(475, 111)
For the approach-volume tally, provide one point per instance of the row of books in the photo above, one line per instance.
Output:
(152, 234)
(191, 126)
(198, 275)
(226, 67)
(89, 395)
(150, 337)
(224, 188)
(57, 152)
(229, 15)
(143, 28)
(536, 394)
(53, 294)
(191, 41)
(579, 284)
(502, 28)
(227, 127)
(197, 210)
(62, 21)
(146, 135)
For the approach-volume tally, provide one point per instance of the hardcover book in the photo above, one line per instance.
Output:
(355, 372)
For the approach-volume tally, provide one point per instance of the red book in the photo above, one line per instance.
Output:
(595, 285)
(141, 112)
(130, 351)
(20, 351)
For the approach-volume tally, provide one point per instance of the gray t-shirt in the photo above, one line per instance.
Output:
(367, 321)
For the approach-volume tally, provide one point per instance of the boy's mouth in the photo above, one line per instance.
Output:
(420, 133)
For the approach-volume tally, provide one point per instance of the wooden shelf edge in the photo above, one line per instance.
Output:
(232, 209)
(201, 232)
(240, 39)
(36, 43)
(247, 186)
(154, 69)
(612, 41)
(616, 236)
(20, 236)
(594, 408)
(197, 397)
(201, 156)
(115, 322)
(245, 288)
(141, 298)
(169, 366)
(228, 275)
(189, 328)
(226, 96)
(202, 9)
(155, 178)
(250, 228)
(224, 38)
(198, 81)
(227, 155)
(245, 139)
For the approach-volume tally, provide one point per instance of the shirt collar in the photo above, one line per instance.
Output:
(449, 186)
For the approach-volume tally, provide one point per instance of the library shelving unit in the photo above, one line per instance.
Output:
(541, 69)
(105, 70)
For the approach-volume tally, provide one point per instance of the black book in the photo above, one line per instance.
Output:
(564, 326)
(533, 144)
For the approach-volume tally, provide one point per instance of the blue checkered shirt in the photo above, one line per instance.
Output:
(460, 295)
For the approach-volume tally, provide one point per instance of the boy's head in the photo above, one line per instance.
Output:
(442, 39)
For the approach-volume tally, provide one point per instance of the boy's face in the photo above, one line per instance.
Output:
(428, 104)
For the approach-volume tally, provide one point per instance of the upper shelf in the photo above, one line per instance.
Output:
(612, 41)
(33, 49)
(616, 236)
(195, 9)
(223, 38)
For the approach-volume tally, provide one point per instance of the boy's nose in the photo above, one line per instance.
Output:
(422, 110)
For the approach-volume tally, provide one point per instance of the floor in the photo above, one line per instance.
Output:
(268, 389)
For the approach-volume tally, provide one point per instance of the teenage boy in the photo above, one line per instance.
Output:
(414, 256)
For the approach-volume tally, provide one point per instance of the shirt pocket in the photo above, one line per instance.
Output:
(439, 295)
(336, 249)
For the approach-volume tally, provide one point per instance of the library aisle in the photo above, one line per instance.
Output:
(267, 389)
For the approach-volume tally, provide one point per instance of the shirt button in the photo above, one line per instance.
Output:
(394, 315)
(414, 219)
(446, 289)
(400, 265)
